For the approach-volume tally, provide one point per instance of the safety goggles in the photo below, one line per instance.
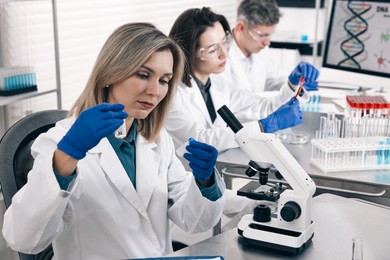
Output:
(258, 36)
(214, 50)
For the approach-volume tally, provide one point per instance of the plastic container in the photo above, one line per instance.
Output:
(347, 154)
(293, 137)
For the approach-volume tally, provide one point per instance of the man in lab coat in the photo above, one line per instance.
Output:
(250, 64)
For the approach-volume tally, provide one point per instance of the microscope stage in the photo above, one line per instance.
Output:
(253, 190)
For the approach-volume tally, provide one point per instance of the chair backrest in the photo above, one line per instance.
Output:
(16, 160)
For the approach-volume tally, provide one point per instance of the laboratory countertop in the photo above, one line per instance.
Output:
(337, 221)
(367, 182)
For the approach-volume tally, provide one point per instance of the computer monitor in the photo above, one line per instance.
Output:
(358, 37)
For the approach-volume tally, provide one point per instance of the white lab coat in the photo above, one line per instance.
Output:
(102, 216)
(265, 74)
(189, 116)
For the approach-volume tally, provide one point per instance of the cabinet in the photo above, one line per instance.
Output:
(5, 101)
(300, 20)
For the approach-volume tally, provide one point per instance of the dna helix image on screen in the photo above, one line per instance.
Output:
(355, 26)
(358, 37)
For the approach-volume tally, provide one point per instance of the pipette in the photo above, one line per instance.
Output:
(300, 86)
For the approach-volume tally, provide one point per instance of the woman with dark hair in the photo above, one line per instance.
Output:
(204, 37)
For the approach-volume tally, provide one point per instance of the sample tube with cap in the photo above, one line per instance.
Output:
(182, 149)
(300, 87)
(121, 131)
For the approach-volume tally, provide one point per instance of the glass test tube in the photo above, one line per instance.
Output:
(121, 131)
(357, 248)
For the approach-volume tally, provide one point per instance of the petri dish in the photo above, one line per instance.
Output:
(293, 137)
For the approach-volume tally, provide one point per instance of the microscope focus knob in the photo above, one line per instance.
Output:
(262, 213)
(290, 211)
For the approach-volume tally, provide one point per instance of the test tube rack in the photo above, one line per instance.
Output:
(346, 154)
(17, 80)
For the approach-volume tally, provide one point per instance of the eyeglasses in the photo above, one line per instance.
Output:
(258, 36)
(214, 50)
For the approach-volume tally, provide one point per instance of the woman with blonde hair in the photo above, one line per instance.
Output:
(96, 196)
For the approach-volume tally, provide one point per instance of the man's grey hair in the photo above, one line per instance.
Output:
(259, 12)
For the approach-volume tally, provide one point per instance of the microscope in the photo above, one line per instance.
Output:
(290, 228)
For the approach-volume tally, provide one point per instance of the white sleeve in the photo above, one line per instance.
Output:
(183, 123)
(248, 107)
(40, 201)
(188, 208)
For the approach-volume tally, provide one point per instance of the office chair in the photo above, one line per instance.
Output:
(16, 160)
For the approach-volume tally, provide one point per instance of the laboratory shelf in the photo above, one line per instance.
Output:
(6, 100)
(300, 3)
(13, 1)
(304, 48)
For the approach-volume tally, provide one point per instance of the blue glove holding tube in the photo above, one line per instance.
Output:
(287, 115)
(308, 72)
(202, 158)
(90, 127)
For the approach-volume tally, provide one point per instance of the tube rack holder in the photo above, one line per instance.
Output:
(347, 154)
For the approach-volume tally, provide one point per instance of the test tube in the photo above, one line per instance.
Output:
(357, 248)
(300, 86)
(182, 149)
(121, 131)
(387, 152)
(321, 132)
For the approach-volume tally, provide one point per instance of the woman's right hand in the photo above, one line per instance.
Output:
(287, 115)
(90, 127)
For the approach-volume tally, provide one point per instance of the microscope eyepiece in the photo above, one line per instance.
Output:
(229, 118)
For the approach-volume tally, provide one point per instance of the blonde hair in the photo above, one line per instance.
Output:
(123, 54)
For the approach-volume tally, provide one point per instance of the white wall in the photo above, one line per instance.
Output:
(84, 26)
(27, 38)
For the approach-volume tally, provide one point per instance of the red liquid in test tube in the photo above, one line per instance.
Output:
(301, 81)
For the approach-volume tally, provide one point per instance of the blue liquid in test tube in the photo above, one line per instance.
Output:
(387, 152)
(379, 159)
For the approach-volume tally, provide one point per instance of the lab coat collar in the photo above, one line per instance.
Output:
(218, 98)
(147, 173)
(196, 98)
(148, 164)
(242, 57)
(236, 60)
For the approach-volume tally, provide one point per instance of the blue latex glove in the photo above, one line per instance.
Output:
(202, 158)
(307, 71)
(90, 127)
(287, 115)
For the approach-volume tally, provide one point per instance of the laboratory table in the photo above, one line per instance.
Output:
(371, 185)
(337, 221)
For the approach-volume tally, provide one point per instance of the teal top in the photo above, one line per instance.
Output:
(125, 150)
